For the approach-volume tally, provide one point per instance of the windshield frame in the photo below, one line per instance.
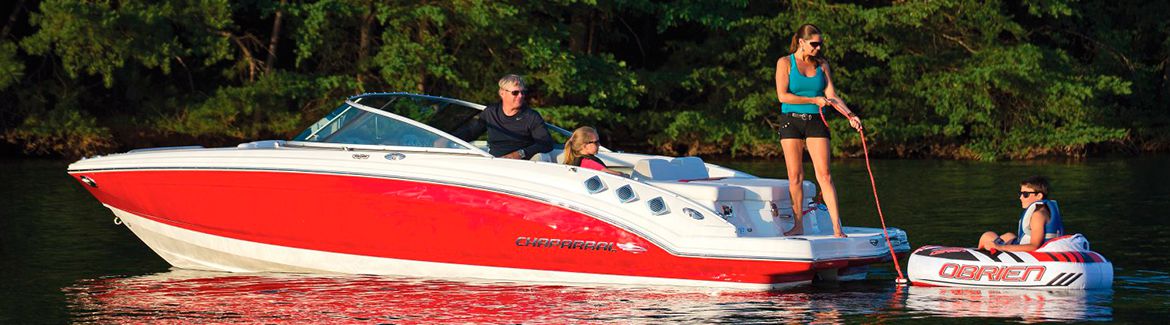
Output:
(352, 103)
(467, 148)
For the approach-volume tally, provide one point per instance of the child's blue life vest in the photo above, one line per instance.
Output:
(1054, 228)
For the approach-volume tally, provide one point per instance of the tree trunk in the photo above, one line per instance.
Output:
(274, 39)
(364, 46)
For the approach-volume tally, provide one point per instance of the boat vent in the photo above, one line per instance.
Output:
(657, 206)
(594, 185)
(626, 194)
(88, 181)
(694, 214)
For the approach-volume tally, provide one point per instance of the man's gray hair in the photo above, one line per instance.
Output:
(511, 80)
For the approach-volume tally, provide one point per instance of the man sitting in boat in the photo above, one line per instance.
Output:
(514, 130)
(1040, 221)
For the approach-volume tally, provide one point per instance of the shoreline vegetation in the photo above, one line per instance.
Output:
(972, 80)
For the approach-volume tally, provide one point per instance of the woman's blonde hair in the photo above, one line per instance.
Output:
(576, 142)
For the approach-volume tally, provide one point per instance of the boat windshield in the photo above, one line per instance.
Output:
(440, 113)
(350, 124)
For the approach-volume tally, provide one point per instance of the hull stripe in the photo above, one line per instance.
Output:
(1057, 279)
(1014, 257)
(986, 253)
(935, 282)
(1097, 258)
(1051, 257)
(1071, 279)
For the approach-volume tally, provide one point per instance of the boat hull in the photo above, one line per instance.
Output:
(285, 221)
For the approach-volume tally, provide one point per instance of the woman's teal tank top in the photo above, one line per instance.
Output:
(803, 86)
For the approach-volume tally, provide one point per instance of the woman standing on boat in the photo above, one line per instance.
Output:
(804, 87)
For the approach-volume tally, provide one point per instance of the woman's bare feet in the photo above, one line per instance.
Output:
(795, 231)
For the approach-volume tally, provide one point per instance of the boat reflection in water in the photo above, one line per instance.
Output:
(184, 296)
(1027, 305)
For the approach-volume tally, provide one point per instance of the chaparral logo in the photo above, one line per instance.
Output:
(360, 156)
(565, 244)
(990, 273)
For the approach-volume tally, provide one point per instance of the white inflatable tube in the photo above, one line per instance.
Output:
(1062, 263)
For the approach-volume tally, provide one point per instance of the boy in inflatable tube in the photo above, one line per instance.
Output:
(1040, 221)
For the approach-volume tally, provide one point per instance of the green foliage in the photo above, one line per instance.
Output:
(11, 68)
(64, 130)
(99, 37)
(267, 107)
(951, 78)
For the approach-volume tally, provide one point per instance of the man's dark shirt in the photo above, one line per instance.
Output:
(506, 134)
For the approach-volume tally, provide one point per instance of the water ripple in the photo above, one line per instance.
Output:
(182, 296)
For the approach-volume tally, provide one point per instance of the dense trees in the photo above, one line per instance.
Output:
(950, 78)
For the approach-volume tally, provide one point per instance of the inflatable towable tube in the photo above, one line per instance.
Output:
(1061, 263)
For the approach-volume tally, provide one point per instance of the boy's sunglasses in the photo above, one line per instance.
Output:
(1028, 194)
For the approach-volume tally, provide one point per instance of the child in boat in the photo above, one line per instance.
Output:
(1040, 221)
(581, 150)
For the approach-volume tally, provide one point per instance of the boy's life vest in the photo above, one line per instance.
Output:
(1054, 228)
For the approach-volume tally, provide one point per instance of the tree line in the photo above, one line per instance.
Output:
(943, 78)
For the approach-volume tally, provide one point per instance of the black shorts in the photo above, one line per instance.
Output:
(802, 126)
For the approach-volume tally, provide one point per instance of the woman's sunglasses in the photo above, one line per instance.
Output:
(816, 44)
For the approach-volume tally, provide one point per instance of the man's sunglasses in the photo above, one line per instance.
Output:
(516, 92)
(1028, 194)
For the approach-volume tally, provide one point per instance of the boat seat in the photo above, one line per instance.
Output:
(682, 168)
(702, 192)
(764, 189)
(552, 156)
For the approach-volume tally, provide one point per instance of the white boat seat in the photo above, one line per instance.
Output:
(702, 192)
(682, 168)
(764, 189)
(545, 157)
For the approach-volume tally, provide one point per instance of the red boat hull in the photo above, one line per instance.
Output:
(416, 221)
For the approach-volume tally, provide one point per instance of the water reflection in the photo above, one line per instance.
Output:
(1027, 305)
(195, 296)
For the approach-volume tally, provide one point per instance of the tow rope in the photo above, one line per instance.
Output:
(877, 202)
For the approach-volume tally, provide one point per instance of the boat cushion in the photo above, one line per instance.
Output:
(702, 192)
(682, 168)
(764, 189)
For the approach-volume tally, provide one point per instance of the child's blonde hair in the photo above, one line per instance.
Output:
(576, 142)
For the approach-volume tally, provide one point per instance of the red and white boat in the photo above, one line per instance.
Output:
(380, 186)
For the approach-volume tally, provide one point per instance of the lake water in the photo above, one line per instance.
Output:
(63, 260)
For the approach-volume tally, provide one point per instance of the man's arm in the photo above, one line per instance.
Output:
(542, 141)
